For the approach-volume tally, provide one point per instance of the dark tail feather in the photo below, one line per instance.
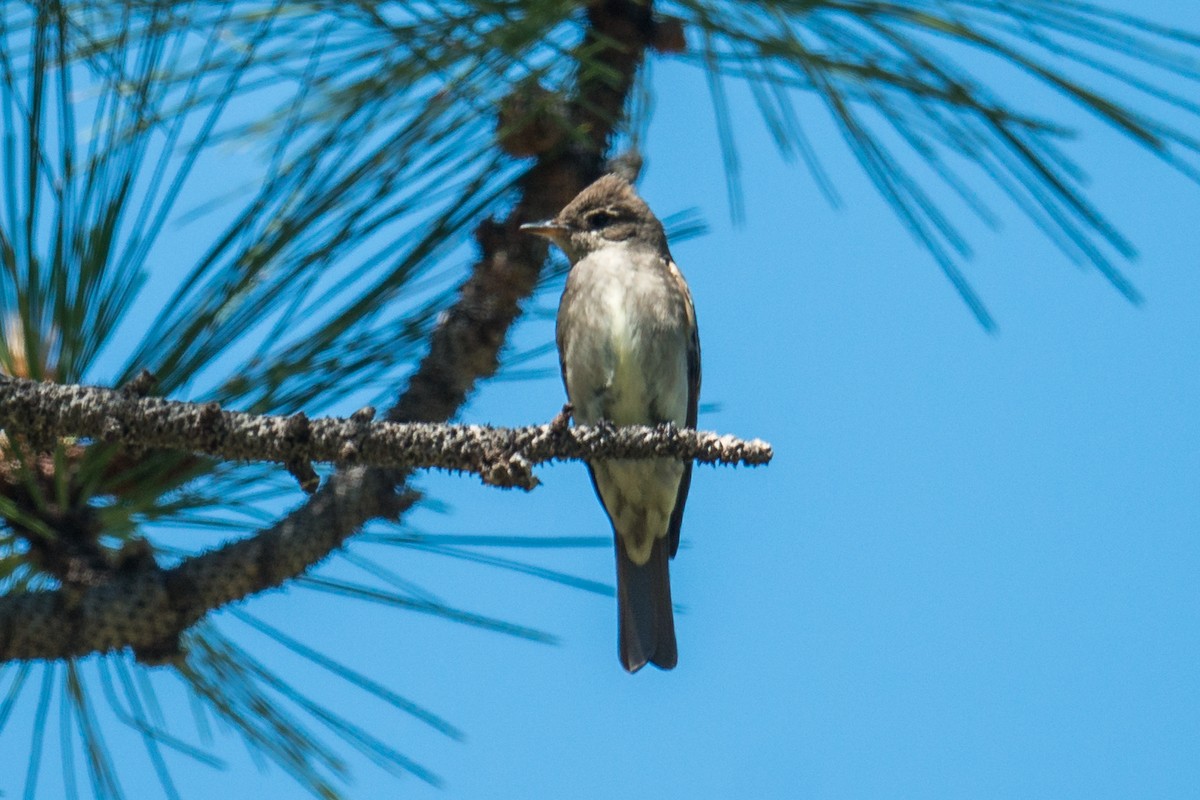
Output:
(645, 619)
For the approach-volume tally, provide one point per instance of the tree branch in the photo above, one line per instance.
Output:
(149, 608)
(501, 456)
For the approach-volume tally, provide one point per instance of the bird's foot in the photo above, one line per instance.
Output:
(563, 419)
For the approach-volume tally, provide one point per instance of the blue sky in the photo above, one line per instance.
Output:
(969, 572)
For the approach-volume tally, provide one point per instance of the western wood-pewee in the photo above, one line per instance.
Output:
(630, 354)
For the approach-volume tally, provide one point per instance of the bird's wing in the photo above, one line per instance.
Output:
(693, 403)
(562, 331)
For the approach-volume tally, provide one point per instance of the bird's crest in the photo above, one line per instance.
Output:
(608, 190)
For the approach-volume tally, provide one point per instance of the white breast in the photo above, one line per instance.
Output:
(627, 356)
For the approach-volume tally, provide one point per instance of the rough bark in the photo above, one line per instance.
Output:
(501, 456)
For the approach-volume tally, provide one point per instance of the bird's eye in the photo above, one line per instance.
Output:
(600, 219)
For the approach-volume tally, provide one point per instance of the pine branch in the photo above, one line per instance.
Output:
(501, 456)
(147, 608)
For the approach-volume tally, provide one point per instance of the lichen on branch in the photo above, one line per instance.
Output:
(500, 456)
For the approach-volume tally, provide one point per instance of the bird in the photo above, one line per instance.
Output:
(629, 351)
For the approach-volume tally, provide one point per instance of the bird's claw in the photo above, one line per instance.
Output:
(562, 419)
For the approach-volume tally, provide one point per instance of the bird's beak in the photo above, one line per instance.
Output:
(549, 229)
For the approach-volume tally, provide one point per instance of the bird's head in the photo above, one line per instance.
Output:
(608, 212)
